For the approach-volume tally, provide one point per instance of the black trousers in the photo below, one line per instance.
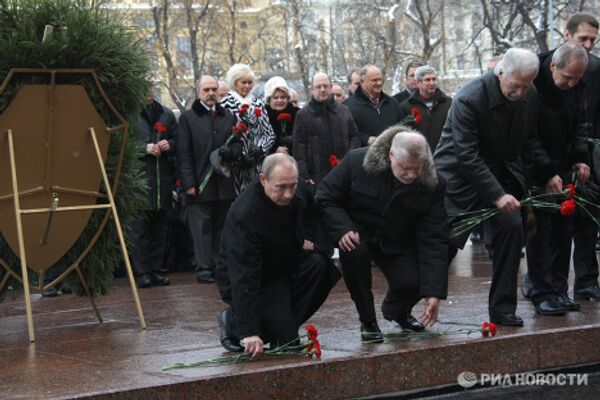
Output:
(205, 222)
(585, 262)
(401, 272)
(286, 303)
(548, 255)
(149, 237)
(506, 235)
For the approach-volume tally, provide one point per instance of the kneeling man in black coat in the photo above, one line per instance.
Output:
(270, 271)
(385, 204)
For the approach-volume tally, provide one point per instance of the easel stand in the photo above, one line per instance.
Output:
(19, 212)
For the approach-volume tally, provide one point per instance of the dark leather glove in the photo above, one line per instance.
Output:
(226, 154)
(256, 154)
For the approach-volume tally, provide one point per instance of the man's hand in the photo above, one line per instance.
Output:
(153, 149)
(349, 241)
(164, 145)
(191, 192)
(584, 172)
(371, 139)
(554, 185)
(308, 245)
(254, 345)
(430, 312)
(507, 203)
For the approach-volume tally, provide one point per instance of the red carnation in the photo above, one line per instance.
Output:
(284, 117)
(244, 108)
(178, 182)
(488, 329)
(417, 114)
(257, 112)
(311, 331)
(333, 161)
(567, 207)
(570, 191)
(160, 128)
(239, 128)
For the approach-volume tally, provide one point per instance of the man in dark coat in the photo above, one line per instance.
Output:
(324, 131)
(491, 123)
(432, 104)
(562, 128)
(385, 204)
(411, 82)
(156, 130)
(203, 129)
(269, 271)
(372, 109)
(582, 28)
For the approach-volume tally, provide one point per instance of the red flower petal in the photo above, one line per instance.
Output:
(570, 191)
(567, 207)
(257, 112)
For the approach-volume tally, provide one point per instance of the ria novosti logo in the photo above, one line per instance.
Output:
(469, 379)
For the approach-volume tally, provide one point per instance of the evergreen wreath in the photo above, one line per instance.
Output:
(87, 35)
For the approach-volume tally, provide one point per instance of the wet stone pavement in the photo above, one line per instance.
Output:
(76, 357)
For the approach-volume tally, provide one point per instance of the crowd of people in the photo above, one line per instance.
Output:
(268, 190)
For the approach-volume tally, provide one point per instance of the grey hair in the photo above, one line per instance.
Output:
(275, 159)
(424, 70)
(567, 52)
(364, 70)
(524, 61)
(237, 72)
(206, 76)
(410, 144)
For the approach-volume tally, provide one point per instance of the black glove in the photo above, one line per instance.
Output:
(231, 152)
(287, 141)
(226, 154)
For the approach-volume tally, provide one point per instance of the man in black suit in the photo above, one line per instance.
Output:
(202, 129)
(271, 271)
(156, 130)
(411, 82)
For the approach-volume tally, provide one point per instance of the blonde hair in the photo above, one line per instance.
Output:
(237, 72)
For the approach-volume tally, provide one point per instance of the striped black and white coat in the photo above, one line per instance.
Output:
(260, 134)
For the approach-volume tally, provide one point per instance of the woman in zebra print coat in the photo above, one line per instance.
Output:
(249, 110)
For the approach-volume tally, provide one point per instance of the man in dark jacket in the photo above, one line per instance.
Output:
(582, 28)
(203, 129)
(385, 204)
(156, 130)
(269, 271)
(491, 123)
(324, 131)
(411, 82)
(432, 104)
(563, 132)
(372, 109)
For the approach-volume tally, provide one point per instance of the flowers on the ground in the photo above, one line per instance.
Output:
(488, 329)
(311, 348)
(333, 161)
(567, 207)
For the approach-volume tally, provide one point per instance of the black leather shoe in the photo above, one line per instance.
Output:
(50, 292)
(526, 288)
(144, 281)
(159, 280)
(228, 343)
(589, 293)
(410, 323)
(565, 301)
(371, 333)
(205, 277)
(550, 307)
(506, 319)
